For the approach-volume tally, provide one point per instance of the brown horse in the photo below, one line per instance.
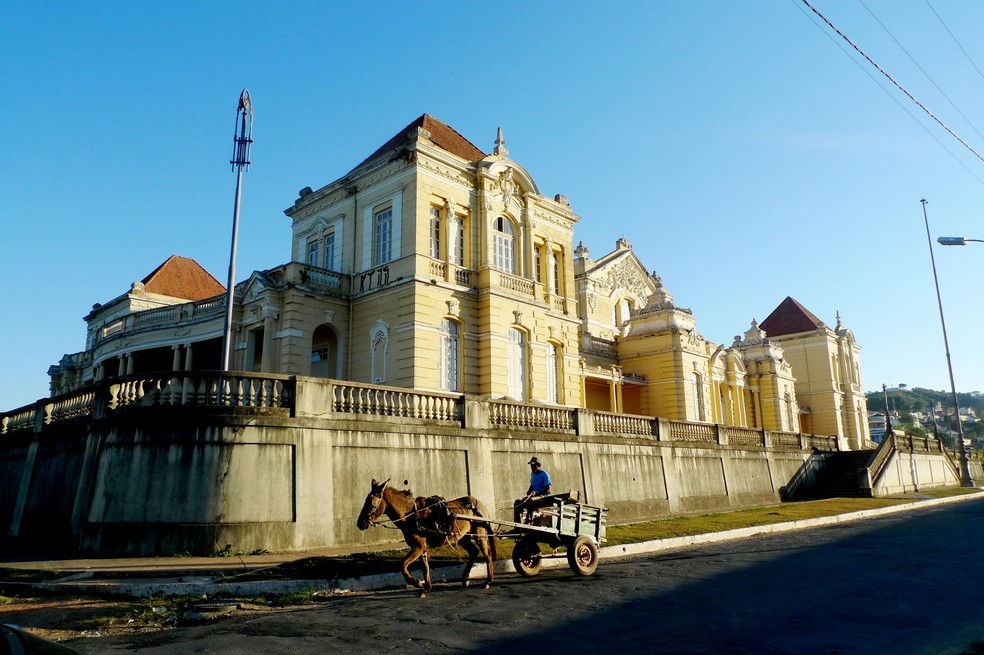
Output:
(432, 522)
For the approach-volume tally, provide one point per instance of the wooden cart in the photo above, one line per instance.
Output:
(564, 522)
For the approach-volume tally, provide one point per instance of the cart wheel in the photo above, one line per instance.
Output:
(582, 556)
(526, 557)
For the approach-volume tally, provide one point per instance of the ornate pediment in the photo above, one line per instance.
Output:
(626, 274)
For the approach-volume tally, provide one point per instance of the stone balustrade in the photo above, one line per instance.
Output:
(236, 392)
(508, 414)
(686, 431)
(608, 423)
(355, 398)
(739, 436)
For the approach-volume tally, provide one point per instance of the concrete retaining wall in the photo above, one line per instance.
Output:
(147, 477)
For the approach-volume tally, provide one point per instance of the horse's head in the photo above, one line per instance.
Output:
(374, 506)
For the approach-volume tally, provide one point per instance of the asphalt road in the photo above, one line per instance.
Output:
(907, 583)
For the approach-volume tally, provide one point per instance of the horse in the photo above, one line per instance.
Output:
(432, 522)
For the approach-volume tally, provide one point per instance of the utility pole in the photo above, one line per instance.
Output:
(242, 139)
(888, 420)
(965, 479)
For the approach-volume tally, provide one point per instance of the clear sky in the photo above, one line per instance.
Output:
(746, 153)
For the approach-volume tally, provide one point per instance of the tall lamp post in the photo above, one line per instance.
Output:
(965, 479)
(242, 139)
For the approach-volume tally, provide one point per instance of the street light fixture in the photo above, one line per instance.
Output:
(956, 241)
(965, 479)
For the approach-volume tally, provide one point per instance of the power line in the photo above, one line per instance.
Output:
(923, 70)
(892, 80)
(890, 95)
(955, 40)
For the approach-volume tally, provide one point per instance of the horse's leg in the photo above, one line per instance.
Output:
(425, 558)
(416, 550)
(468, 543)
(485, 539)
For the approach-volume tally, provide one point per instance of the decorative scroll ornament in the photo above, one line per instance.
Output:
(453, 307)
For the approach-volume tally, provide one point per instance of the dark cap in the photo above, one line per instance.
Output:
(533, 461)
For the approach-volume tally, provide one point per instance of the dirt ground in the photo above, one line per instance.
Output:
(60, 618)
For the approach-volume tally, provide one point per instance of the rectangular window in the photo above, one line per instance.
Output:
(557, 265)
(330, 251)
(312, 253)
(457, 245)
(435, 232)
(383, 237)
(516, 365)
(538, 263)
(450, 356)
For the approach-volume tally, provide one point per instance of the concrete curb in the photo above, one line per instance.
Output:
(211, 587)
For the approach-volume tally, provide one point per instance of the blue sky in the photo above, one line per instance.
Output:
(737, 145)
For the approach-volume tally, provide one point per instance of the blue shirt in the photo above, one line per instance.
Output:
(539, 481)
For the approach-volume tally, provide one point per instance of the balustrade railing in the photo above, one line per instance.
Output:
(686, 431)
(517, 284)
(462, 276)
(355, 398)
(786, 439)
(438, 269)
(19, 419)
(66, 408)
(607, 423)
(534, 416)
(821, 442)
(745, 436)
(882, 455)
(161, 315)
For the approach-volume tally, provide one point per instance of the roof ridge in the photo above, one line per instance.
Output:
(442, 135)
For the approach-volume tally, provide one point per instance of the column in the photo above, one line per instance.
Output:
(130, 363)
(188, 359)
(266, 366)
(176, 359)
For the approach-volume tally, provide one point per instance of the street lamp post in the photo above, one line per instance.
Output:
(242, 140)
(965, 479)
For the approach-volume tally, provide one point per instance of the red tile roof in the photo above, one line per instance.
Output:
(442, 135)
(181, 277)
(790, 317)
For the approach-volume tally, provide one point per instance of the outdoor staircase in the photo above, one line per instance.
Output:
(839, 478)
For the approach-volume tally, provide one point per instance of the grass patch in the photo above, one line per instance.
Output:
(686, 526)
(10, 574)
(154, 612)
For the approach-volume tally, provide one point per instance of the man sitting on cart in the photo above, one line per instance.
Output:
(535, 495)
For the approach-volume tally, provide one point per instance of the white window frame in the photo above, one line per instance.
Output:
(450, 355)
(434, 233)
(313, 250)
(368, 259)
(503, 245)
(330, 251)
(553, 374)
(382, 236)
(456, 244)
(516, 365)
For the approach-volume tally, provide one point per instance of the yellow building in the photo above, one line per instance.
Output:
(436, 266)
(827, 368)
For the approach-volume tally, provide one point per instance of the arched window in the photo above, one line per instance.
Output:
(324, 353)
(435, 232)
(503, 245)
(450, 356)
(553, 374)
(516, 365)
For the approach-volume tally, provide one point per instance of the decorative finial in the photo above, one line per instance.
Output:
(500, 144)
(838, 320)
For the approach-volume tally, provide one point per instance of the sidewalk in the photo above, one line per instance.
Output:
(146, 576)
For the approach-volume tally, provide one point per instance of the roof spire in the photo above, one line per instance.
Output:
(500, 144)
